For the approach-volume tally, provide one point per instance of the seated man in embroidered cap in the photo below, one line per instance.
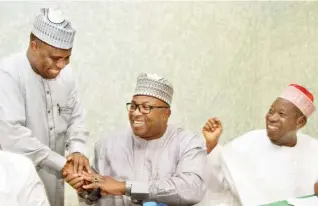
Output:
(264, 166)
(41, 114)
(151, 160)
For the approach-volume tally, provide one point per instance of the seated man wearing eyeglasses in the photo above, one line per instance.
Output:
(151, 160)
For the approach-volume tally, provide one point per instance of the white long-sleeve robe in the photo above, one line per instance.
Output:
(20, 185)
(172, 166)
(40, 118)
(251, 170)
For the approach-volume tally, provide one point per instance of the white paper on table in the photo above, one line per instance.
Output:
(309, 201)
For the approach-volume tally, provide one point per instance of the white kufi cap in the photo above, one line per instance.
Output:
(155, 86)
(52, 28)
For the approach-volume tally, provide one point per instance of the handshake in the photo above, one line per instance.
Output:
(87, 182)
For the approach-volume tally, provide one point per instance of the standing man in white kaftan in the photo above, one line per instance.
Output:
(41, 114)
(265, 166)
(151, 160)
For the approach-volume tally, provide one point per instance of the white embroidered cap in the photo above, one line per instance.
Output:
(51, 27)
(155, 86)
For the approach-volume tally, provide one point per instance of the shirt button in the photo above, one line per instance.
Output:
(51, 128)
(48, 92)
(49, 111)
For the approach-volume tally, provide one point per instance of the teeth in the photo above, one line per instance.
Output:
(138, 123)
(271, 127)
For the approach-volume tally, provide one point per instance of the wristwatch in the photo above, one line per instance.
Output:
(128, 188)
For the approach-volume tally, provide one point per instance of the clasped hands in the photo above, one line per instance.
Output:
(77, 173)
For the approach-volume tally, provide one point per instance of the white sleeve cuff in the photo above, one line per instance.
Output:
(77, 146)
(54, 161)
(139, 190)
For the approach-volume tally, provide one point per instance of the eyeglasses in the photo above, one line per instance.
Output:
(144, 109)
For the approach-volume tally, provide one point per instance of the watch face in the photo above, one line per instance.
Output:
(128, 189)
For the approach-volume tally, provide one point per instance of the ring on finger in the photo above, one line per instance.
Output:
(96, 180)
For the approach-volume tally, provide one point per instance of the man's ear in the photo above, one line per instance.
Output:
(301, 121)
(167, 114)
(34, 45)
